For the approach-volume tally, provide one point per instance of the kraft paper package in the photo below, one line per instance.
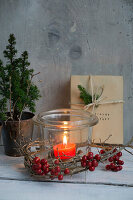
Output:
(110, 108)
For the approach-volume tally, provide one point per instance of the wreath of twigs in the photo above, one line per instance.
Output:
(74, 163)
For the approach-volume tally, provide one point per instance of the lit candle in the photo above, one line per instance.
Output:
(65, 151)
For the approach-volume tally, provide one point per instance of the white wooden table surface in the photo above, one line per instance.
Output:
(16, 183)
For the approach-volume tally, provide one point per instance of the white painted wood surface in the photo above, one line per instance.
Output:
(16, 183)
(22, 190)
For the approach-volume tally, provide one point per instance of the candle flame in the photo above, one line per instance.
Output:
(65, 140)
(65, 123)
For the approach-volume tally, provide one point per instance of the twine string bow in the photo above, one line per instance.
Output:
(96, 102)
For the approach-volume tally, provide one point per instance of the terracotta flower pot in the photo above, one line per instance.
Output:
(12, 136)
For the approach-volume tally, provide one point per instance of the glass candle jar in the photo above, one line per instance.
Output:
(65, 130)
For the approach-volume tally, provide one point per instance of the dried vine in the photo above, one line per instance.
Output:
(74, 163)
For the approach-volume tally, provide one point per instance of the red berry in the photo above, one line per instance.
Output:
(88, 163)
(110, 159)
(66, 171)
(112, 165)
(46, 171)
(120, 167)
(119, 154)
(102, 151)
(56, 162)
(57, 169)
(114, 150)
(47, 165)
(52, 171)
(84, 158)
(56, 173)
(90, 153)
(89, 157)
(38, 171)
(107, 167)
(97, 157)
(44, 167)
(92, 168)
(94, 163)
(33, 167)
(115, 158)
(42, 174)
(39, 165)
(36, 160)
(43, 161)
(120, 162)
(60, 177)
(36, 166)
(116, 169)
(83, 164)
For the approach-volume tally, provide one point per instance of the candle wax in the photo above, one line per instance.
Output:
(65, 151)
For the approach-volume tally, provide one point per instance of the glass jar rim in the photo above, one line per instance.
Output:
(71, 119)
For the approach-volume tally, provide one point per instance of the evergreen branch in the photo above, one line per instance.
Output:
(84, 95)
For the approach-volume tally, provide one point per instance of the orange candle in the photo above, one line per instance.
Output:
(65, 151)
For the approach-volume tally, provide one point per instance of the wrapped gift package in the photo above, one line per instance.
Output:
(110, 108)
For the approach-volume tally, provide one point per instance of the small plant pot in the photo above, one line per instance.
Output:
(15, 135)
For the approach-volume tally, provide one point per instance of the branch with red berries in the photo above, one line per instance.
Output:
(51, 167)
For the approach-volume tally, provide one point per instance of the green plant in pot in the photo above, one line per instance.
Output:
(17, 93)
(0, 131)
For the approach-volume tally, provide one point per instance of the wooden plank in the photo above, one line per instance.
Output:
(22, 190)
(13, 168)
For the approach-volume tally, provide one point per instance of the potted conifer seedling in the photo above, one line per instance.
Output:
(0, 130)
(17, 93)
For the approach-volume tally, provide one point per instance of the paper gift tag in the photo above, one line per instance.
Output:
(110, 115)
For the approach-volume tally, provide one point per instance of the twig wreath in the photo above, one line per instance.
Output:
(51, 167)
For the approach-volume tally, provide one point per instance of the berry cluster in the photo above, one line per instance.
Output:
(115, 162)
(42, 167)
(90, 161)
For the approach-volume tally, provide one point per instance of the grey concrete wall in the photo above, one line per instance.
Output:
(67, 37)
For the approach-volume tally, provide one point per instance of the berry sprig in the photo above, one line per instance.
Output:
(115, 162)
(43, 168)
(90, 161)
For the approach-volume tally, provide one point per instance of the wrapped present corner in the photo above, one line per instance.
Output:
(108, 107)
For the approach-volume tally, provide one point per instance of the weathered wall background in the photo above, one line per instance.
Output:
(67, 37)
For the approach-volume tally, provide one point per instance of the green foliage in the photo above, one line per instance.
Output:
(16, 87)
(86, 96)
(3, 108)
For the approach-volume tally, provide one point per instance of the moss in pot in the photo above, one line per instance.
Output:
(17, 93)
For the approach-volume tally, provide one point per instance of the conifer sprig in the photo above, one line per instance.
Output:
(86, 96)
